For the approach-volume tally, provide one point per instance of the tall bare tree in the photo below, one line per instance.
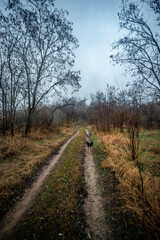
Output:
(11, 67)
(2, 76)
(140, 47)
(3, 94)
(46, 51)
(62, 103)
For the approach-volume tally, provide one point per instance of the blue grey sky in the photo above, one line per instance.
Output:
(96, 26)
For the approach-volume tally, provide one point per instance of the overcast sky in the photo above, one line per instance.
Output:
(96, 26)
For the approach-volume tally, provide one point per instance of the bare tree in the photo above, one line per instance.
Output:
(2, 76)
(46, 51)
(14, 74)
(132, 117)
(140, 47)
(121, 105)
(98, 110)
(11, 67)
(3, 95)
(71, 110)
(62, 104)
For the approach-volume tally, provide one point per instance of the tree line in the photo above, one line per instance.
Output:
(36, 65)
(107, 110)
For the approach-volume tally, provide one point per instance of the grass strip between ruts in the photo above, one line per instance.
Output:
(56, 213)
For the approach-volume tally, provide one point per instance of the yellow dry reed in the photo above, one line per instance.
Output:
(145, 205)
(20, 156)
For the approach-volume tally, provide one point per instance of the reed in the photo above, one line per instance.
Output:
(144, 206)
(20, 157)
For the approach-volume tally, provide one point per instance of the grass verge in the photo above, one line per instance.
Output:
(57, 212)
(21, 158)
(143, 207)
(121, 223)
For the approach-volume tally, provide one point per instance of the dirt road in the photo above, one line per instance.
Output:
(93, 203)
(15, 214)
(94, 209)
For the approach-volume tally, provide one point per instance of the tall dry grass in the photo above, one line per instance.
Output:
(20, 156)
(144, 206)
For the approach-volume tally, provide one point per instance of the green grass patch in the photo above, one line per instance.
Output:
(8, 160)
(39, 142)
(150, 152)
(153, 135)
(57, 212)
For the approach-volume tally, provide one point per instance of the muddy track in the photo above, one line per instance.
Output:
(94, 209)
(15, 214)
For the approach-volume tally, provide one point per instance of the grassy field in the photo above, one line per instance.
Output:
(57, 212)
(20, 158)
(143, 205)
(150, 152)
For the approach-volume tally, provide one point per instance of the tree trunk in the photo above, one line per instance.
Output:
(4, 103)
(11, 121)
(121, 126)
(12, 129)
(52, 116)
(141, 177)
(28, 123)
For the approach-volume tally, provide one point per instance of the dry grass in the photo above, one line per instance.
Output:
(146, 206)
(20, 156)
(156, 149)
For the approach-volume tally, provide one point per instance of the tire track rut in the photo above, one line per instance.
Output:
(15, 214)
(94, 209)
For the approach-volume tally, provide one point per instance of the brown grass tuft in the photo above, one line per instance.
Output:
(155, 149)
(10, 147)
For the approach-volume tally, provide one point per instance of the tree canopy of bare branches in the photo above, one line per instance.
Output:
(139, 49)
(38, 47)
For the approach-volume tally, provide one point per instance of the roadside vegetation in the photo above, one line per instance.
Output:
(21, 157)
(121, 225)
(128, 127)
(57, 212)
(143, 206)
